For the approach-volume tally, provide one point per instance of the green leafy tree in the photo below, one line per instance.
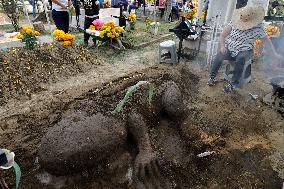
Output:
(11, 9)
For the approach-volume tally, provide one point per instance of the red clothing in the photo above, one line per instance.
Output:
(162, 4)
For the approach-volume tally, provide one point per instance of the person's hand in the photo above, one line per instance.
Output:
(223, 50)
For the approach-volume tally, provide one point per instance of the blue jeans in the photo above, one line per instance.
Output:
(61, 20)
(240, 61)
(174, 11)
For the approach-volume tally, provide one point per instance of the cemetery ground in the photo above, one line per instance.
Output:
(42, 87)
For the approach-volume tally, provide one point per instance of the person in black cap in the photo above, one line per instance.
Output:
(92, 8)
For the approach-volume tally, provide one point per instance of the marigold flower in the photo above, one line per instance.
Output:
(29, 31)
(36, 33)
(25, 28)
(67, 43)
(110, 24)
(19, 36)
(57, 33)
(92, 27)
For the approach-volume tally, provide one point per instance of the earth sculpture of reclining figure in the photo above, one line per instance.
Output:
(75, 144)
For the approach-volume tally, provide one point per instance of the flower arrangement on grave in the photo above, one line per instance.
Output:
(97, 24)
(109, 31)
(132, 20)
(193, 14)
(66, 39)
(272, 31)
(28, 36)
(92, 27)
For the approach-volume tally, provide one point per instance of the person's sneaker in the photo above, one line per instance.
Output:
(212, 81)
(228, 88)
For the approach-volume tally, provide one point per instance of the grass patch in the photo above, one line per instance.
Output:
(142, 35)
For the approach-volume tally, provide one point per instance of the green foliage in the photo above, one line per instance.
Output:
(277, 11)
(129, 93)
(11, 9)
(30, 41)
(142, 34)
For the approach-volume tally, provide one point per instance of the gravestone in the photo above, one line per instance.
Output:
(105, 15)
(217, 7)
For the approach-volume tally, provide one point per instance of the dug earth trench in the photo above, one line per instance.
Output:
(183, 120)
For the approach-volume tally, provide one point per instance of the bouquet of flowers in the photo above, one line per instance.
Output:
(67, 39)
(98, 24)
(28, 36)
(132, 20)
(109, 31)
(193, 14)
(272, 31)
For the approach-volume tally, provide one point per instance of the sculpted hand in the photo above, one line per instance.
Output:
(147, 171)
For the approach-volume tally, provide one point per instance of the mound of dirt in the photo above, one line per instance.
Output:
(234, 128)
(22, 71)
(79, 142)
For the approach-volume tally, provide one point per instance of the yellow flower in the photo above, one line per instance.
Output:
(29, 31)
(67, 43)
(58, 33)
(25, 28)
(108, 29)
(19, 36)
(92, 27)
(131, 17)
(110, 24)
(103, 27)
(120, 29)
(36, 33)
(69, 36)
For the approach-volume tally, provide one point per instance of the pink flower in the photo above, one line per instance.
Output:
(98, 23)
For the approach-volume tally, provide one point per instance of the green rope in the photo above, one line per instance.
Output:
(18, 174)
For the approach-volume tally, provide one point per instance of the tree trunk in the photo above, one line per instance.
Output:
(10, 8)
(168, 9)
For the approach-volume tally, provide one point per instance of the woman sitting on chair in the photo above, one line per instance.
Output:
(236, 43)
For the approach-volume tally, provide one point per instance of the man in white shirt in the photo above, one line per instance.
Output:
(60, 14)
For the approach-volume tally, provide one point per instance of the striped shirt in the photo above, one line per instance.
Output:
(243, 40)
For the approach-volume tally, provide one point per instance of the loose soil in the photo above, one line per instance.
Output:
(23, 72)
(247, 136)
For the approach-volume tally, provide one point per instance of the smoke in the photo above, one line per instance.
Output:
(270, 65)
